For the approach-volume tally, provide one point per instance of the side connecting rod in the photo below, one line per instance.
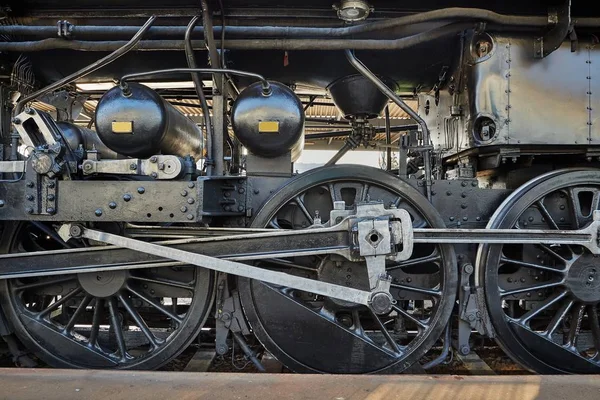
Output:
(229, 267)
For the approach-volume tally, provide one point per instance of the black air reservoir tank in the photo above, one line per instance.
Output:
(142, 124)
(269, 125)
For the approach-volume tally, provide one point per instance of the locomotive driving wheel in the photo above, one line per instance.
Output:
(543, 300)
(125, 319)
(310, 333)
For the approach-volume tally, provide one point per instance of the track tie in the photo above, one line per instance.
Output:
(475, 364)
(201, 361)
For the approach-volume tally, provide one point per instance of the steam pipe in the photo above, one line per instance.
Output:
(324, 44)
(366, 72)
(388, 139)
(122, 50)
(446, 14)
(191, 61)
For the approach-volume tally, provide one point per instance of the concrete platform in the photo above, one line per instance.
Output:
(51, 384)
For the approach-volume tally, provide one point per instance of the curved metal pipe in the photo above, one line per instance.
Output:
(89, 69)
(266, 86)
(366, 72)
(191, 61)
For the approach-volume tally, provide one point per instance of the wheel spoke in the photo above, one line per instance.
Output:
(410, 317)
(156, 305)
(430, 292)
(504, 293)
(595, 325)
(433, 258)
(43, 283)
(576, 320)
(546, 214)
(113, 309)
(506, 260)
(166, 282)
(524, 320)
(365, 192)
(80, 310)
(332, 193)
(96, 318)
(139, 321)
(559, 316)
(385, 333)
(305, 211)
(549, 219)
(59, 303)
(551, 252)
(274, 224)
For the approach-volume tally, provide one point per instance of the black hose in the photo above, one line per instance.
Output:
(324, 44)
(191, 61)
(209, 37)
(266, 86)
(332, 134)
(388, 139)
(90, 68)
(446, 14)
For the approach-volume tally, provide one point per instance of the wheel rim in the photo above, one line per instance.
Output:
(315, 334)
(543, 300)
(138, 319)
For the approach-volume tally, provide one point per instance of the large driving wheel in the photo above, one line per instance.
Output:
(543, 299)
(138, 319)
(310, 333)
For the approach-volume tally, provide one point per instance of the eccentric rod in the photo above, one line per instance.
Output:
(266, 86)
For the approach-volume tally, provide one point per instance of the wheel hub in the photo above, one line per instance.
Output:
(583, 279)
(103, 284)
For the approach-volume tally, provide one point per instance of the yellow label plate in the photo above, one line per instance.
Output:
(122, 127)
(268, 127)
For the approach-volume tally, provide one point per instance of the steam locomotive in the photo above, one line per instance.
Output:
(127, 227)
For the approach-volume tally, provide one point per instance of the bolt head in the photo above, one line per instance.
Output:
(30, 184)
(132, 166)
(127, 197)
(112, 205)
(191, 185)
(183, 209)
(75, 231)
(50, 210)
(87, 167)
(153, 159)
(16, 121)
(256, 191)
(141, 190)
(98, 212)
(190, 217)
(51, 197)
(29, 210)
(184, 193)
(29, 197)
(2, 203)
(242, 191)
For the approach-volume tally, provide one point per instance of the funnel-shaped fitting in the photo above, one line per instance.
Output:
(357, 97)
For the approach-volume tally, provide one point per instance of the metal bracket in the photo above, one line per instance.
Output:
(561, 25)
(157, 167)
